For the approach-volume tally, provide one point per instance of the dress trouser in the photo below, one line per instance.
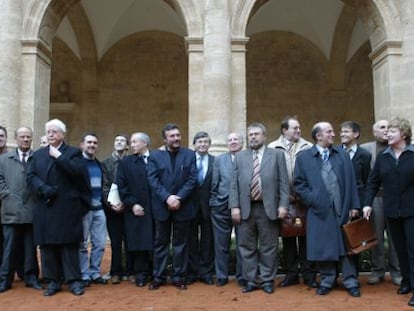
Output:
(222, 228)
(378, 252)
(294, 254)
(19, 235)
(328, 272)
(61, 263)
(201, 258)
(180, 247)
(255, 256)
(402, 233)
(116, 232)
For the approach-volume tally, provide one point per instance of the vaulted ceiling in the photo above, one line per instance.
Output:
(112, 21)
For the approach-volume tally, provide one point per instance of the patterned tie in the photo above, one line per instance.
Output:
(256, 190)
(24, 162)
(200, 168)
(325, 155)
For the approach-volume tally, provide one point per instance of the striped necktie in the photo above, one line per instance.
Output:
(256, 190)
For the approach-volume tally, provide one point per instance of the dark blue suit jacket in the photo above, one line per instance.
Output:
(165, 180)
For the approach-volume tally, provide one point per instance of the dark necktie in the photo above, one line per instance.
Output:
(255, 190)
(200, 168)
(24, 162)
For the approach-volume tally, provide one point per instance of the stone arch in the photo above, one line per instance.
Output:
(43, 17)
(381, 19)
(379, 16)
(40, 22)
(339, 50)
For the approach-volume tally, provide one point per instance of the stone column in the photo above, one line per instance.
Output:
(214, 115)
(386, 60)
(238, 72)
(10, 65)
(35, 85)
(195, 85)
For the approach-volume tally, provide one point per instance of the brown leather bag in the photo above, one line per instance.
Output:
(294, 224)
(359, 236)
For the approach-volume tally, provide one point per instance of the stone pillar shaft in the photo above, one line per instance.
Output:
(214, 115)
(10, 64)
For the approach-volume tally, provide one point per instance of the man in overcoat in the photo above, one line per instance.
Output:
(324, 179)
(135, 194)
(55, 175)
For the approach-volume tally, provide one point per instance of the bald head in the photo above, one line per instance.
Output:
(323, 134)
(380, 130)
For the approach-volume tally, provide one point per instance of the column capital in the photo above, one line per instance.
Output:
(194, 44)
(38, 48)
(238, 44)
(385, 49)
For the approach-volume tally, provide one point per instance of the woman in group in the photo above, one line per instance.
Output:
(394, 171)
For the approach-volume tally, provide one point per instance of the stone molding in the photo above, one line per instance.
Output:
(38, 48)
(194, 44)
(238, 44)
(385, 49)
(62, 107)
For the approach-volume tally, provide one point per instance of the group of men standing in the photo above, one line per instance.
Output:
(61, 197)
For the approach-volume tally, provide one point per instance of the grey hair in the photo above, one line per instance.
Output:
(142, 136)
(57, 123)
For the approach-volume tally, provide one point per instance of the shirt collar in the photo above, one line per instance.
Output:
(389, 150)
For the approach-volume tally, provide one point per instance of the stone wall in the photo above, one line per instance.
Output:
(142, 85)
(287, 75)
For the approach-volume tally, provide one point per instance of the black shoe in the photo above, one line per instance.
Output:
(155, 285)
(221, 282)
(51, 291)
(288, 281)
(140, 283)
(241, 282)
(35, 285)
(322, 290)
(207, 280)
(311, 283)
(191, 279)
(100, 280)
(77, 290)
(86, 283)
(411, 302)
(268, 288)
(4, 287)
(249, 288)
(404, 289)
(180, 285)
(354, 291)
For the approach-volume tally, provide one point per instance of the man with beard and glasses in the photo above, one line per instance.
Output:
(259, 195)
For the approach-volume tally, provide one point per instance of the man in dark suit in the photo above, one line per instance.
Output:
(325, 181)
(134, 191)
(115, 214)
(220, 212)
(172, 176)
(201, 260)
(55, 175)
(259, 194)
(360, 158)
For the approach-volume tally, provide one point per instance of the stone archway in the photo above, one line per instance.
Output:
(39, 27)
(381, 19)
